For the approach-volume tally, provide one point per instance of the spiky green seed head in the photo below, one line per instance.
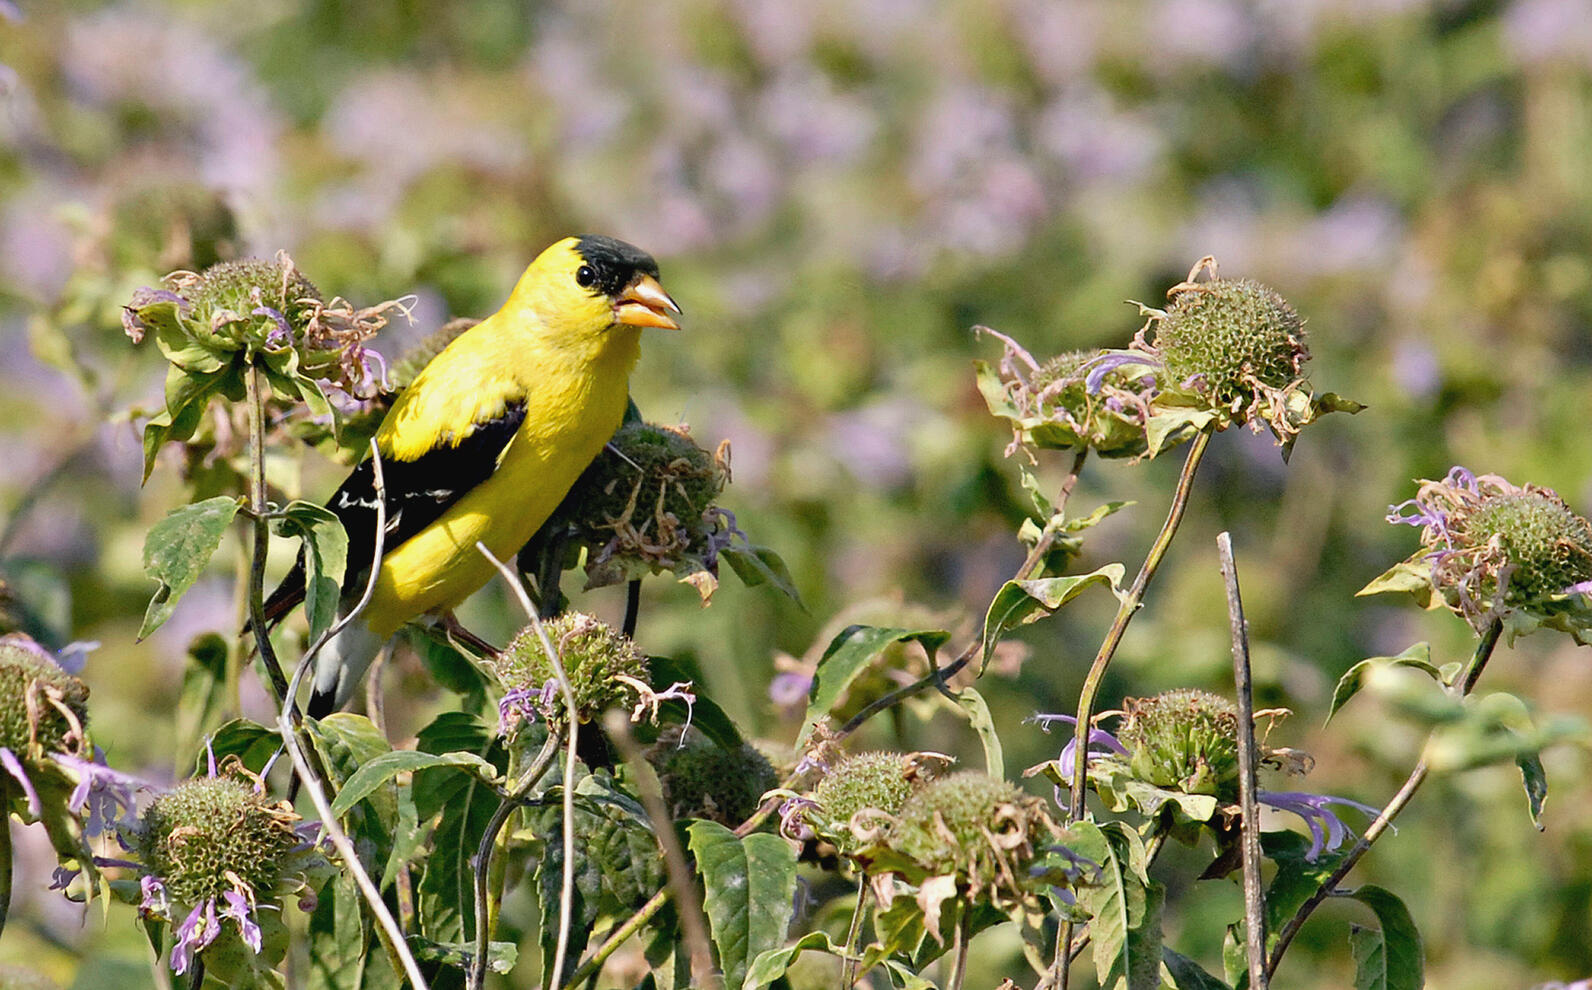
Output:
(879, 780)
(596, 658)
(1549, 545)
(651, 480)
(1066, 371)
(33, 694)
(1221, 336)
(1184, 740)
(192, 836)
(702, 779)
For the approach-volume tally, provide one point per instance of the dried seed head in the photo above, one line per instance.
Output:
(973, 825)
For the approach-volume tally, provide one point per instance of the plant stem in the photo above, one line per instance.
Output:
(1125, 612)
(964, 936)
(566, 906)
(262, 539)
(594, 963)
(1108, 648)
(1047, 539)
(7, 853)
(848, 972)
(1249, 823)
(693, 923)
(483, 859)
(1374, 831)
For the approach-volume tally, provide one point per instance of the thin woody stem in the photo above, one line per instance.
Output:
(1374, 831)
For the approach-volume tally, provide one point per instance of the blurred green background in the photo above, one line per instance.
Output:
(837, 192)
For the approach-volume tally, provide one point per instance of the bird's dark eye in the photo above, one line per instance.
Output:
(584, 276)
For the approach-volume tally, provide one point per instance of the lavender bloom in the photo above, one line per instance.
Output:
(106, 794)
(282, 336)
(792, 821)
(790, 688)
(13, 766)
(1101, 742)
(1327, 830)
(240, 908)
(1108, 362)
(196, 932)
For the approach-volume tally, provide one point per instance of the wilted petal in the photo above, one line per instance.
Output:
(13, 765)
(1327, 830)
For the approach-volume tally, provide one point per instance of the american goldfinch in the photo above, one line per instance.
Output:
(484, 444)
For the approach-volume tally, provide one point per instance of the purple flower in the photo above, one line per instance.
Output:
(1101, 742)
(1327, 830)
(282, 336)
(1108, 362)
(790, 688)
(196, 932)
(106, 794)
(14, 767)
(240, 908)
(792, 818)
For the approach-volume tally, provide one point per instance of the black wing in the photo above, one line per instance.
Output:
(417, 493)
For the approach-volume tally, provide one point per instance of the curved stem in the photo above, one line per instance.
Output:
(1108, 648)
(483, 857)
(964, 929)
(848, 972)
(1125, 612)
(6, 853)
(1374, 831)
(594, 963)
(262, 539)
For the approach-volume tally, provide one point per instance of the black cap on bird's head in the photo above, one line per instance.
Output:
(628, 276)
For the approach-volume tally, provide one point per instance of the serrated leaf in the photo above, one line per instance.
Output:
(325, 556)
(178, 548)
(755, 565)
(1186, 974)
(851, 653)
(1392, 958)
(1021, 602)
(386, 766)
(1125, 933)
(978, 716)
(1418, 656)
(749, 889)
(462, 805)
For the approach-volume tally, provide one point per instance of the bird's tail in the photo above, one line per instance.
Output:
(340, 667)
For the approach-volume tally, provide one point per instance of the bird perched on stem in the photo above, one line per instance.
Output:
(484, 444)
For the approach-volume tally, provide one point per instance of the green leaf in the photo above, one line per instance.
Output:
(1125, 933)
(1296, 880)
(325, 555)
(1535, 778)
(500, 956)
(204, 690)
(462, 804)
(1418, 656)
(177, 550)
(750, 886)
(1022, 602)
(771, 964)
(1392, 958)
(756, 565)
(978, 716)
(1186, 974)
(1410, 576)
(851, 653)
(388, 765)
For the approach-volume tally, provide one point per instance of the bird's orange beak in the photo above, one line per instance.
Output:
(643, 303)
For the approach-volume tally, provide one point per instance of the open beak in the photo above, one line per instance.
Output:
(643, 303)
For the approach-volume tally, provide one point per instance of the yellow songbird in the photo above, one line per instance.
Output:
(484, 444)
